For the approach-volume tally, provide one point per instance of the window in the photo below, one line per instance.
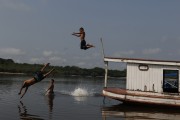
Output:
(143, 67)
(170, 81)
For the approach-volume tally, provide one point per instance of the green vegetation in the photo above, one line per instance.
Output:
(8, 65)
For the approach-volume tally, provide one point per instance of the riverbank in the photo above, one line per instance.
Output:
(9, 73)
(9, 67)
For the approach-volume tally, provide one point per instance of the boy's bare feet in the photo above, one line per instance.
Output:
(47, 64)
(90, 45)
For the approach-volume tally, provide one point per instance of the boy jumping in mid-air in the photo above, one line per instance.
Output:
(83, 44)
(37, 78)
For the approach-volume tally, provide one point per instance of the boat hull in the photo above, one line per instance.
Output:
(128, 96)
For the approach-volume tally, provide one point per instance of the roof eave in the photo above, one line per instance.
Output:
(142, 61)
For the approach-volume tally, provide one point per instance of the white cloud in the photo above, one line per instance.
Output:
(47, 53)
(56, 58)
(11, 51)
(35, 60)
(123, 53)
(81, 64)
(151, 51)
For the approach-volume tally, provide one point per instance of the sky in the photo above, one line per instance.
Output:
(39, 31)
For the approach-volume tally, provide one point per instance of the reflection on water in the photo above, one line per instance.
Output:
(134, 112)
(50, 102)
(80, 99)
(23, 113)
(7, 84)
(50, 98)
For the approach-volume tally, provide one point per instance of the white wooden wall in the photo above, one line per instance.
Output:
(144, 80)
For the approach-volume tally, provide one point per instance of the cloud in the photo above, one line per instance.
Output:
(47, 53)
(11, 51)
(124, 53)
(14, 5)
(35, 60)
(81, 64)
(151, 51)
(56, 58)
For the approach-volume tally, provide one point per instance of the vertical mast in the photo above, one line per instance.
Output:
(106, 73)
(106, 65)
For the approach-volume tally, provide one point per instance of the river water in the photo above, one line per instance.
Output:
(75, 98)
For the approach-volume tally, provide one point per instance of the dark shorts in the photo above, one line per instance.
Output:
(83, 45)
(38, 76)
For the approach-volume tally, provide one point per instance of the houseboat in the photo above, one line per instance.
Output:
(154, 82)
(147, 81)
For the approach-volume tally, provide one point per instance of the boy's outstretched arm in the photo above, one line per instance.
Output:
(76, 34)
(47, 74)
(45, 65)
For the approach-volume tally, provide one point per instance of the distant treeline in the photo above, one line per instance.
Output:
(8, 65)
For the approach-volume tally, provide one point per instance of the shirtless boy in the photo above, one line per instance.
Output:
(39, 76)
(50, 90)
(82, 34)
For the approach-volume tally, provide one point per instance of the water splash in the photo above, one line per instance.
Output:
(80, 92)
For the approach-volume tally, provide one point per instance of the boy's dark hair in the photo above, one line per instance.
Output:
(52, 80)
(81, 28)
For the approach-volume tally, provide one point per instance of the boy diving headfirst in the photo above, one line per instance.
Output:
(39, 76)
(83, 44)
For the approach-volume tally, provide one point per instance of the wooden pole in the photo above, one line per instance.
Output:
(102, 48)
(106, 65)
(106, 73)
